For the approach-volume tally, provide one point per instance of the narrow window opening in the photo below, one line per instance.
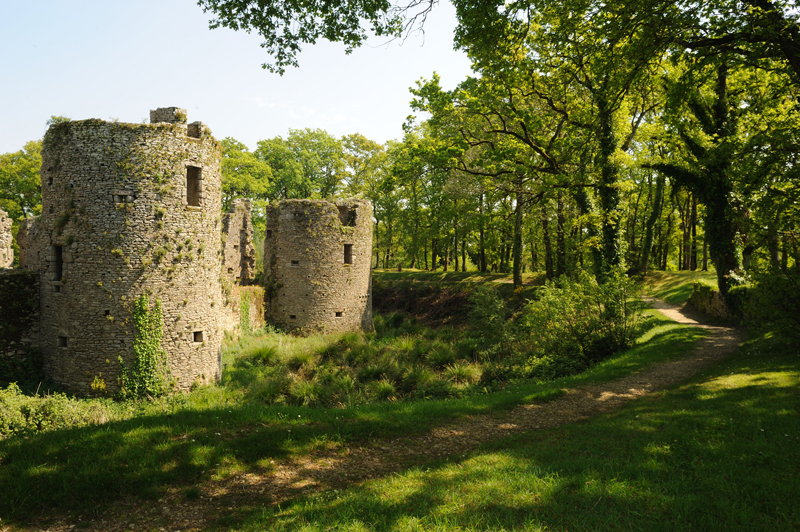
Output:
(57, 289)
(295, 263)
(339, 314)
(58, 262)
(236, 247)
(269, 233)
(50, 180)
(62, 341)
(51, 209)
(348, 253)
(106, 312)
(193, 186)
(198, 337)
(292, 317)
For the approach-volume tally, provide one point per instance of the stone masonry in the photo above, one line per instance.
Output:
(28, 243)
(6, 251)
(128, 209)
(238, 253)
(317, 265)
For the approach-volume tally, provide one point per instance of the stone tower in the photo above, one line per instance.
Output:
(317, 264)
(128, 209)
(6, 251)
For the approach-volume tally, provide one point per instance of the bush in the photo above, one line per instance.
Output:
(489, 314)
(21, 413)
(773, 301)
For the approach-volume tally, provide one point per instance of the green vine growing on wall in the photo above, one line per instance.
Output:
(147, 375)
(244, 313)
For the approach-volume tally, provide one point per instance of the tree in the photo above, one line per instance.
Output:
(20, 182)
(287, 24)
(243, 174)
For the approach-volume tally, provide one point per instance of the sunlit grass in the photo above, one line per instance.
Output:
(676, 287)
(718, 453)
(216, 431)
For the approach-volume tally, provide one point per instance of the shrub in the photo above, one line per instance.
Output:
(773, 301)
(490, 315)
(580, 320)
(21, 413)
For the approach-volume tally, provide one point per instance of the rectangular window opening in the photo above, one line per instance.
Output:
(348, 253)
(269, 233)
(56, 289)
(62, 341)
(292, 316)
(58, 262)
(197, 336)
(193, 186)
(347, 216)
(194, 130)
(236, 247)
(295, 263)
(339, 314)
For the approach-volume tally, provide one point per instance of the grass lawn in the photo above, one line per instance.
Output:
(181, 441)
(676, 287)
(721, 452)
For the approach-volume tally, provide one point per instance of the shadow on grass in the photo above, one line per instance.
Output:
(87, 469)
(700, 458)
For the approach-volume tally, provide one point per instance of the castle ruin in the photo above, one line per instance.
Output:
(129, 209)
(6, 251)
(317, 265)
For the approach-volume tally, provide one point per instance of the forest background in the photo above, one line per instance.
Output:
(605, 136)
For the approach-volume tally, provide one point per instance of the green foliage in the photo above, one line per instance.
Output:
(147, 374)
(244, 313)
(575, 323)
(772, 302)
(20, 182)
(570, 325)
(20, 413)
(286, 25)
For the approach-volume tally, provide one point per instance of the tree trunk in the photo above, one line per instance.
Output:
(561, 249)
(482, 251)
(651, 222)
(517, 253)
(548, 250)
(607, 189)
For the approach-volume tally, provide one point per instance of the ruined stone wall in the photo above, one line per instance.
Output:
(19, 326)
(238, 253)
(129, 208)
(317, 265)
(28, 242)
(6, 251)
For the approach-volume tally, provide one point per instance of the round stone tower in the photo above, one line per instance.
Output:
(129, 209)
(317, 264)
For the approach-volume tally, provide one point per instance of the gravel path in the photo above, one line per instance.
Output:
(340, 468)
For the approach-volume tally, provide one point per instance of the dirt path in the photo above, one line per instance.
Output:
(341, 468)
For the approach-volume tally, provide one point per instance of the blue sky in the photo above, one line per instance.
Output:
(112, 59)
